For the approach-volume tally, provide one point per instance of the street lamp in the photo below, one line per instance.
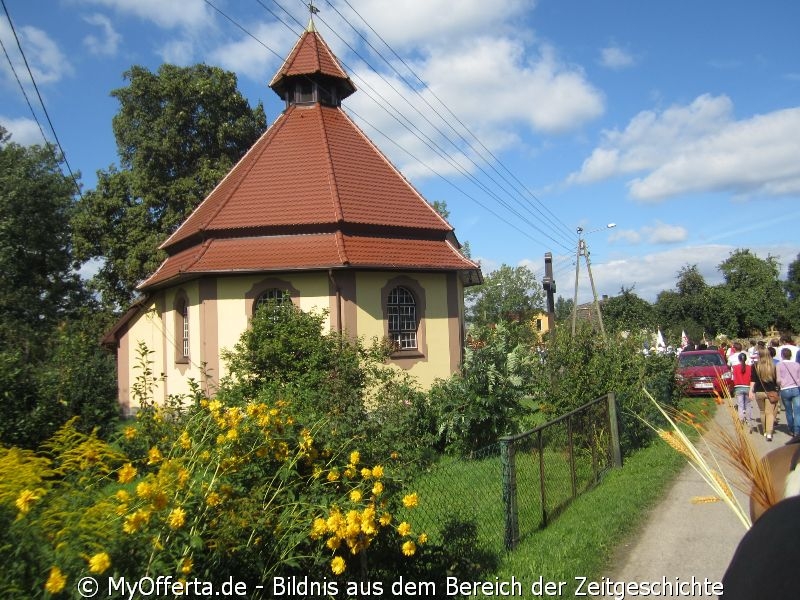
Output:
(582, 251)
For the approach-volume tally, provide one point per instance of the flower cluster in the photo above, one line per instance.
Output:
(354, 527)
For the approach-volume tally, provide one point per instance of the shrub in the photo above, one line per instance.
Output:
(485, 400)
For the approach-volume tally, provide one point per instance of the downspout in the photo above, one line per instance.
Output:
(338, 292)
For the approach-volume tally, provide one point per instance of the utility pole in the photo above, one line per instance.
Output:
(549, 285)
(583, 251)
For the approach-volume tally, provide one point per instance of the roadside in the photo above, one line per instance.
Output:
(683, 540)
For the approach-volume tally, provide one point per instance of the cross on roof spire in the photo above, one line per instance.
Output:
(312, 11)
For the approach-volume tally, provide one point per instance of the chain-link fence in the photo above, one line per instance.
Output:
(515, 487)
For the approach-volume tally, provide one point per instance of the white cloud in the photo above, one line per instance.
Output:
(247, 57)
(658, 233)
(626, 235)
(495, 85)
(48, 64)
(108, 42)
(177, 52)
(190, 14)
(701, 148)
(24, 132)
(411, 23)
(614, 57)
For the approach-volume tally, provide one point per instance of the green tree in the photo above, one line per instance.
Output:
(48, 372)
(563, 309)
(792, 286)
(628, 312)
(178, 132)
(684, 309)
(509, 294)
(755, 284)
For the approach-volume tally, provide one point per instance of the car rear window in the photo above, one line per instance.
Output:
(712, 359)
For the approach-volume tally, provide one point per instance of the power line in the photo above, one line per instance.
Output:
(24, 92)
(428, 88)
(41, 101)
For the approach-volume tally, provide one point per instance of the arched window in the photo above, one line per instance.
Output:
(401, 310)
(275, 299)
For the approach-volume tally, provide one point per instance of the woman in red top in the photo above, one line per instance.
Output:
(741, 389)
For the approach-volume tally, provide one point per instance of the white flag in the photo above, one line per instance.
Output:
(684, 339)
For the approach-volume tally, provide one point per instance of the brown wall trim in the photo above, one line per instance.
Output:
(209, 334)
(455, 327)
(347, 289)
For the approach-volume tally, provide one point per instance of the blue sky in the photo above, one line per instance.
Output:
(678, 121)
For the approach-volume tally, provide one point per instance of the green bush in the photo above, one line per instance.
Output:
(485, 400)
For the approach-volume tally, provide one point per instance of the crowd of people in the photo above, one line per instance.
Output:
(769, 374)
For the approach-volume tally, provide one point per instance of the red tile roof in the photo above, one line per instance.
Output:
(313, 192)
(308, 252)
(309, 56)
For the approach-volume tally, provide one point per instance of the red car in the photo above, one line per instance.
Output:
(703, 372)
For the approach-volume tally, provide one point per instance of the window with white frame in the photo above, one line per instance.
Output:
(273, 298)
(181, 307)
(401, 310)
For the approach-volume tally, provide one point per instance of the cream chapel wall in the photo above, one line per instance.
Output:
(231, 302)
(438, 360)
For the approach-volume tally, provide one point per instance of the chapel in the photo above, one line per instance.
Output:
(313, 214)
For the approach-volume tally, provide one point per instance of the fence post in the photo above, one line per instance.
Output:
(508, 462)
(613, 426)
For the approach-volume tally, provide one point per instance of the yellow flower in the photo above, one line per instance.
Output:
(377, 471)
(177, 517)
(355, 456)
(404, 528)
(25, 500)
(385, 519)
(319, 528)
(126, 473)
(123, 495)
(56, 581)
(423, 538)
(154, 456)
(366, 473)
(410, 500)
(99, 562)
(186, 566)
(409, 548)
(333, 475)
(338, 565)
(144, 489)
(135, 521)
(394, 455)
(349, 472)
(334, 543)
(213, 499)
(377, 489)
(129, 433)
(355, 496)
(185, 440)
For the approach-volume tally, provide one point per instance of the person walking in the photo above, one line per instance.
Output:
(788, 373)
(741, 389)
(764, 379)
